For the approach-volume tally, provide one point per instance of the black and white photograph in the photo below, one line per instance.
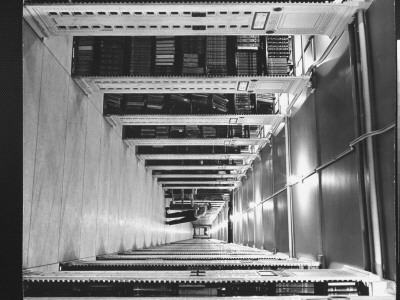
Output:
(199, 150)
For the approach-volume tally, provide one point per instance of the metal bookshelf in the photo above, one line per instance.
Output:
(201, 84)
(251, 18)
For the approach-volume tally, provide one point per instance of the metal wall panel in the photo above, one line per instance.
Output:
(304, 158)
(251, 221)
(244, 216)
(258, 225)
(342, 229)
(279, 160)
(268, 221)
(334, 102)
(341, 213)
(303, 138)
(267, 171)
(307, 231)
(250, 213)
(281, 223)
(382, 47)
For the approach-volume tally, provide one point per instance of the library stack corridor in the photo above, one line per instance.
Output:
(282, 160)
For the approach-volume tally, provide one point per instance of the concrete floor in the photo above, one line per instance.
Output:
(84, 191)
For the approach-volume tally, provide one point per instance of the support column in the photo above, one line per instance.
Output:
(289, 188)
(369, 145)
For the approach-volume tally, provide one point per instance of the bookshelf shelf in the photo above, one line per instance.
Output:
(216, 176)
(179, 187)
(226, 182)
(219, 85)
(197, 156)
(150, 119)
(139, 19)
(196, 142)
(198, 167)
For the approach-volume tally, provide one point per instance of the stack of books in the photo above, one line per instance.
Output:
(199, 103)
(295, 288)
(191, 64)
(134, 102)
(238, 162)
(243, 104)
(245, 149)
(219, 103)
(248, 42)
(147, 132)
(111, 56)
(265, 108)
(155, 102)
(221, 131)
(209, 132)
(216, 55)
(113, 102)
(162, 132)
(140, 56)
(177, 131)
(337, 289)
(236, 131)
(254, 131)
(279, 52)
(267, 97)
(193, 55)
(193, 44)
(179, 104)
(84, 53)
(246, 63)
(165, 55)
(192, 131)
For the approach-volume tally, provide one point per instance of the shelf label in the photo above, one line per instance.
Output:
(260, 20)
(242, 86)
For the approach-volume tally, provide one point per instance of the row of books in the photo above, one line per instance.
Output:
(246, 63)
(248, 42)
(140, 56)
(195, 131)
(200, 55)
(294, 288)
(216, 60)
(165, 55)
(243, 104)
(83, 56)
(278, 58)
(188, 104)
(193, 49)
(111, 56)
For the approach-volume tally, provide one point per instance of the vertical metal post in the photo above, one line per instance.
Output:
(230, 214)
(303, 66)
(289, 188)
(370, 149)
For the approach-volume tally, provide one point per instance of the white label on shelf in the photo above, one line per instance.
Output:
(260, 20)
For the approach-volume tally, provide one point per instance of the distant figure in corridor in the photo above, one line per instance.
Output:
(190, 215)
